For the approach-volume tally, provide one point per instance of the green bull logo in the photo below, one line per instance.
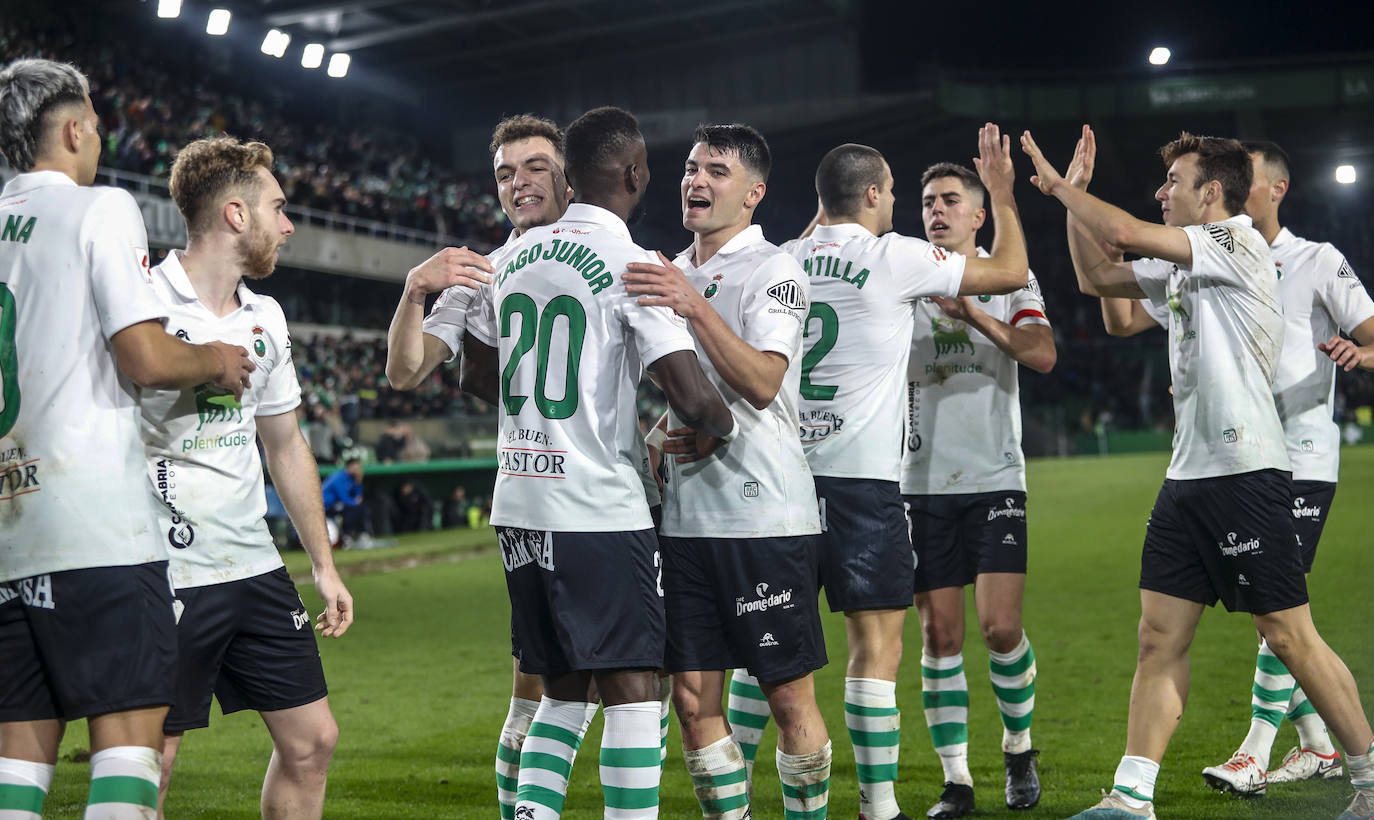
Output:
(1176, 305)
(213, 407)
(950, 337)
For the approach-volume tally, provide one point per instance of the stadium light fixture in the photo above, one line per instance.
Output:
(275, 43)
(1345, 174)
(338, 65)
(218, 24)
(1160, 55)
(168, 9)
(312, 56)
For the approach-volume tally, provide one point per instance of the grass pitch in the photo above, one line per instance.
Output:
(421, 683)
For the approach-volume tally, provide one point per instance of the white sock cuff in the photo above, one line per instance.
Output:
(743, 676)
(648, 707)
(127, 761)
(947, 662)
(1014, 655)
(573, 715)
(523, 707)
(870, 686)
(722, 755)
(801, 764)
(26, 773)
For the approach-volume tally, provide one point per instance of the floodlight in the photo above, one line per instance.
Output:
(338, 65)
(1160, 55)
(169, 8)
(275, 42)
(218, 24)
(1345, 174)
(312, 56)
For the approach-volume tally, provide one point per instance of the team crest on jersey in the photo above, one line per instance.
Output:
(985, 298)
(259, 342)
(1222, 236)
(713, 287)
(789, 294)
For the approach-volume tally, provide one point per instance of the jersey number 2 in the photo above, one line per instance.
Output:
(9, 362)
(830, 331)
(533, 325)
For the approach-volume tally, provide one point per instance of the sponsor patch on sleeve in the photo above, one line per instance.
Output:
(789, 294)
(141, 257)
(1222, 236)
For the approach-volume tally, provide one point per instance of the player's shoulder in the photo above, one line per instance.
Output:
(268, 312)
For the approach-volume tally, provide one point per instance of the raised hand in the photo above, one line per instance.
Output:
(1080, 171)
(993, 162)
(1045, 177)
(448, 267)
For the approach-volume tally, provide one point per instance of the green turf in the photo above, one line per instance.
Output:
(420, 685)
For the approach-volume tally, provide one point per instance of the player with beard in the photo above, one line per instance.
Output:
(243, 633)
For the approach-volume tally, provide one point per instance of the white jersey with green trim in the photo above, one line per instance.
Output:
(73, 274)
(963, 400)
(757, 486)
(857, 341)
(1225, 334)
(1321, 295)
(572, 346)
(202, 445)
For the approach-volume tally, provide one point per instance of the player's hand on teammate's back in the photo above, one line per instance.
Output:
(1080, 171)
(993, 162)
(1346, 354)
(448, 267)
(338, 604)
(664, 285)
(1045, 176)
(236, 368)
(955, 308)
(689, 445)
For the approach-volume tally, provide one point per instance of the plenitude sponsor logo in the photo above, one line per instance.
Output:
(213, 442)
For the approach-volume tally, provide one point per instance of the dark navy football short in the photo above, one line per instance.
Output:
(583, 601)
(1229, 538)
(866, 557)
(743, 603)
(86, 642)
(249, 643)
(1311, 505)
(959, 537)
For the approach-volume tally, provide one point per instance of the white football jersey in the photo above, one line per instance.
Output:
(73, 273)
(1321, 296)
(1225, 333)
(203, 445)
(857, 340)
(963, 400)
(448, 317)
(573, 345)
(757, 486)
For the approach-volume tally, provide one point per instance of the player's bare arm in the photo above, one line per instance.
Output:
(297, 479)
(479, 375)
(1094, 260)
(1006, 268)
(412, 354)
(153, 358)
(754, 374)
(1032, 346)
(1349, 355)
(1125, 317)
(692, 396)
(1105, 221)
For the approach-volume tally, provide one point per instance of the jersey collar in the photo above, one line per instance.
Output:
(746, 238)
(1285, 236)
(840, 230)
(33, 180)
(585, 214)
(175, 274)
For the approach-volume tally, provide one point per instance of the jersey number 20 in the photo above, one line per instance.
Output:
(532, 325)
(9, 362)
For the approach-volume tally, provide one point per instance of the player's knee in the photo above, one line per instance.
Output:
(1158, 641)
(1002, 636)
(941, 639)
(310, 751)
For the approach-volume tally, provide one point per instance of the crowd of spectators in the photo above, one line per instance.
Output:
(149, 111)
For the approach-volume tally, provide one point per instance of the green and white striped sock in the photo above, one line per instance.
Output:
(1134, 781)
(747, 711)
(944, 695)
(665, 708)
(630, 764)
(124, 783)
(805, 784)
(1013, 682)
(1269, 697)
(718, 779)
(513, 733)
(875, 728)
(23, 785)
(546, 757)
(1312, 733)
